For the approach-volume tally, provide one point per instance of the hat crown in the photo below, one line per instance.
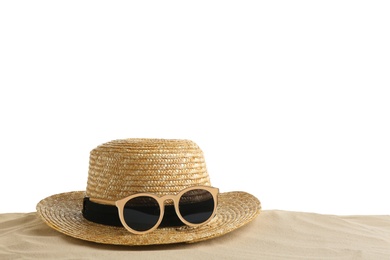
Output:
(123, 167)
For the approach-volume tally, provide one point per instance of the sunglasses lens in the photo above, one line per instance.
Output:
(141, 213)
(196, 206)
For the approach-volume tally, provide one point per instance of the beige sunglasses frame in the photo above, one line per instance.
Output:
(120, 204)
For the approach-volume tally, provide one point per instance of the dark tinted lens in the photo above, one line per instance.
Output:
(196, 206)
(141, 213)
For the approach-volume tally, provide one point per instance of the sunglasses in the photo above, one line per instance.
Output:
(143, 212)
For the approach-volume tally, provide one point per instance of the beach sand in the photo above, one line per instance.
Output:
(273, 234)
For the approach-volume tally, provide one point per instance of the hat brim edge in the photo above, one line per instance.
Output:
(62, 212)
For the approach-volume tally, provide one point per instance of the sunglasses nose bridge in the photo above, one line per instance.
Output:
(169, 198)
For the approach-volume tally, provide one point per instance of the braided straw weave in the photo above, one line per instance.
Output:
(123, 167)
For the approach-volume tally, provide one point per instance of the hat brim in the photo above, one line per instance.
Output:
(63, 213)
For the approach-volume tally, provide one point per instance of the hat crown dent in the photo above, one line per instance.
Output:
(123, 167)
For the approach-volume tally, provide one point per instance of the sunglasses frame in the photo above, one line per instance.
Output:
(120, 204)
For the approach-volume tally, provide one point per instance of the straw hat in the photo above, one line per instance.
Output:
(120, 168)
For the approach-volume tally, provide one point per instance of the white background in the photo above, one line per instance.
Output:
(289, 100)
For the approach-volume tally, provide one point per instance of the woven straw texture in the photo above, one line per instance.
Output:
(120, 168)
(63, 213)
